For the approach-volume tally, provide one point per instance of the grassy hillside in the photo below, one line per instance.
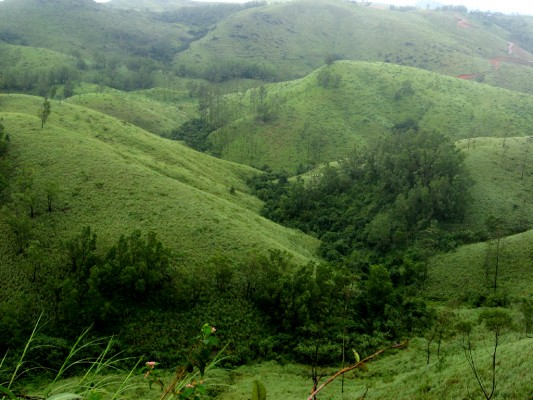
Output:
(461, 275)
(313, 124)
(285, 37)
(502, 171)
(144, 111)
(116, 178)
(29, 59)
(85, 27)
(496, 163)
(403, 375)
(152, 5)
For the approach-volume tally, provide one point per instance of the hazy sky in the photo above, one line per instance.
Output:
(505, 6)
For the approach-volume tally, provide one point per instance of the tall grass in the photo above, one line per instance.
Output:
(95, 381)
(103, 377)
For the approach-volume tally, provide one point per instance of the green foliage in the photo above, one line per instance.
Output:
(258, 391)
(134, 272)
(4, 139)
(188, 382)
(390, 210)
(327, 79)
(195, 133)
(4, 146)
(44, 112)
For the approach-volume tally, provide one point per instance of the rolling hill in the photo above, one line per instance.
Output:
(359, 72)
(316, 121)
(144, 111)
(86, 27)
(285, 37)
(116, 178)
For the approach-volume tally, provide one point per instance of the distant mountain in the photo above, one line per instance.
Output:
(292, 39)
(86, 27)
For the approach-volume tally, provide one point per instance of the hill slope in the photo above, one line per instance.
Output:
(317, 121)
(159, 117)
(86, 27)
(295, 38)
(116, 178)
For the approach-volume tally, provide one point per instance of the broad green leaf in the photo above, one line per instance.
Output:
(357, 358)
(8, 392)
(258, 391)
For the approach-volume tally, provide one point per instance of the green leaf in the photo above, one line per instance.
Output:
(258, 391)
(357, 358)
(7, 391)
(64, 396)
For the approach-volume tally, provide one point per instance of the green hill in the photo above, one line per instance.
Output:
(496, 163)
(144, 111)
(296, 37)
(152, 5)
(322, 116)
(467, 273)
(117, 178)
(86, 27)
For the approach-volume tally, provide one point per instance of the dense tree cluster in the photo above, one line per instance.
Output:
(265, 306)
(386, 196)
(134, 273)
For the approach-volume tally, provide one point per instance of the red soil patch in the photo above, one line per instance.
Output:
(517, 56)
(463, 23)
(467, 76)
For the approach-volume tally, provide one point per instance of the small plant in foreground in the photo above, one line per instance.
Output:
(96, 383)
(188, 384)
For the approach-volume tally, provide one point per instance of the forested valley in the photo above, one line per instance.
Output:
(240, 201)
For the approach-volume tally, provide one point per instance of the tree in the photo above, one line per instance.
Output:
(68, 89)
(20, 225)
(26, 196)
(496, 228)
(4, 138)
(440, 328)
(51, 192)
(44, 112)
(499, 322)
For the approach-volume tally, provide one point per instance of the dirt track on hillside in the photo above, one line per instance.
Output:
(516, 55)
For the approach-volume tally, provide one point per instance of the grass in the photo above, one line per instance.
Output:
(84, 26)
(496, 163)
(459, 275)
(116, 178)
(31, 59)
(145, 112)
(400, 375)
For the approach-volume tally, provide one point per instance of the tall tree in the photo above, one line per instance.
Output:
(44, 112)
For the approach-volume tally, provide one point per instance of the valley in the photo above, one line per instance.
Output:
(235, 201)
